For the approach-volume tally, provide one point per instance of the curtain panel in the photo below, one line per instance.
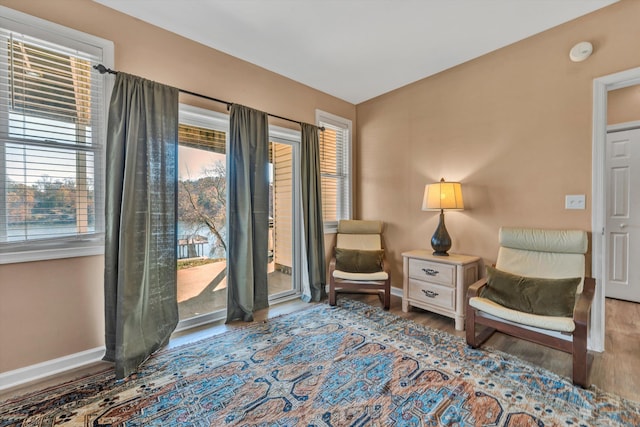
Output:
(248, 214)
(141, 309)
(312, 215)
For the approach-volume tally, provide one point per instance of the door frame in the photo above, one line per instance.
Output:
(601, 86)
(292, 138)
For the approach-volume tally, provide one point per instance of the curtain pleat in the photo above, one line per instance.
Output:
(141, 309)
(248, 216)
(312, 214)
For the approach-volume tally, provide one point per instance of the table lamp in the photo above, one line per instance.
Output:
(440, 196)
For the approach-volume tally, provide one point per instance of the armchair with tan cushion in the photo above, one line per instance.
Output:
(537, 292)
(358, 263)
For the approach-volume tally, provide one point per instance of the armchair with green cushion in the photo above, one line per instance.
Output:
(358, 262)
(537, 291)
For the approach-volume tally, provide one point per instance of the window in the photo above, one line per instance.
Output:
(52, 116)
(335, 166)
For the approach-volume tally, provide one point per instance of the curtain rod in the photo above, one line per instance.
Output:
(104, 70)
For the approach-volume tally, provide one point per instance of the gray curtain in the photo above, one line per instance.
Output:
(248, 216)
(141, 309)
(312, 213)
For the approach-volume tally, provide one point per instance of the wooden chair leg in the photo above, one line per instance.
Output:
(387, 295)
(475, 340)
(470, 327)
(580, 367)
(332, 292)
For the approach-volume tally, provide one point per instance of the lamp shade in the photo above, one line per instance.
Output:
(443, 195)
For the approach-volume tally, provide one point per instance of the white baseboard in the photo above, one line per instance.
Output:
(396, 292)
(51, 367)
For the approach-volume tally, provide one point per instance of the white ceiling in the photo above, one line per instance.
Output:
(356, 49)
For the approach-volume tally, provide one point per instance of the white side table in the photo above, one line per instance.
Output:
(438, 283)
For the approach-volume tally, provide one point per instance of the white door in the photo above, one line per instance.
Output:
(622, 226)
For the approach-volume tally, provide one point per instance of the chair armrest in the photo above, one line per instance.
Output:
(386, 266)
(332, 265)
(474, 289)
(582, 309)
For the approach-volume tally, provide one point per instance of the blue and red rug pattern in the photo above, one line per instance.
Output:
(350, 365)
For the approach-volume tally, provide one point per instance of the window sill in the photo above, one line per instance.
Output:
(50, 254)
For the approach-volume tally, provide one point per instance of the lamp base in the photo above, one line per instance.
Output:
(441, 241)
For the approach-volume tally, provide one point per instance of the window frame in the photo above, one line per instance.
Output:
(64, 247)
(323, 117)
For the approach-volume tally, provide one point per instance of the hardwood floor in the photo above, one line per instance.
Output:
(616, 370)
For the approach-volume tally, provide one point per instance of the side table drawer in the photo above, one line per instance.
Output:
(443, 274)
(431, 293)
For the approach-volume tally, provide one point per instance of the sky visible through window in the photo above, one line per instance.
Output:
(194, 162)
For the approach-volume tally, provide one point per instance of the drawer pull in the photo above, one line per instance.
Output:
(429, 294)
(430, 271)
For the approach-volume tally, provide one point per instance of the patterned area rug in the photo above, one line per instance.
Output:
(350, 365)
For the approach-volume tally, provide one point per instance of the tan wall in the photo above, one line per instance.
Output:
(514, 126)
(52, 309)
(623, 105)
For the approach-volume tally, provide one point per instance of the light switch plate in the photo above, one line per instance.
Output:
(574, 201)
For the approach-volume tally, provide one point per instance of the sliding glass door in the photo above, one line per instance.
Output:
(202, 210)
(202, 215)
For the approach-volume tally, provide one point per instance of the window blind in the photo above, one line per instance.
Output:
(202, 138)
(334, 167)
(51, 113)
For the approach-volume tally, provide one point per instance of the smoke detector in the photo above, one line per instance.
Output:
(581, 51)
